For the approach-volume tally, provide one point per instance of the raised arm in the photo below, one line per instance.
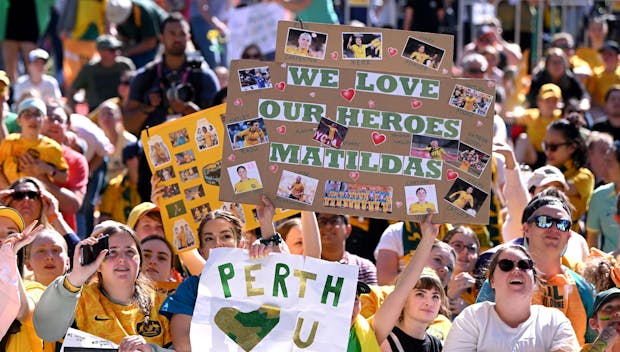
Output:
(310, 234)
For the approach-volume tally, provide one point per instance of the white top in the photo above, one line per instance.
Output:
(392, 239)
(48, 87)
(479, 328)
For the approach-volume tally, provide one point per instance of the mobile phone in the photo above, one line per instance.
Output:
(90, 253)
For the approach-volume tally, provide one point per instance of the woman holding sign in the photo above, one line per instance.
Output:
(119, 306)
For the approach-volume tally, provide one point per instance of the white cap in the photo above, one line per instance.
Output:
(545, 175)
(38, 54)
(117, 11)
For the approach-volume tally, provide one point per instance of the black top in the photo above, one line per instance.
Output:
(408, 343)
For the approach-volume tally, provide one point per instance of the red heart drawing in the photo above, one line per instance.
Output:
(354, 175)
(371, 104)
(348, 94)
(334, 55)
(392, 51)
(281, 129)
(415, 103)
(280, 86)
(378, 138)
(452, 174)
(238, 102)
(231, 157)
(273, 168)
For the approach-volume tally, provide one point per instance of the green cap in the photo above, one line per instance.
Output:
(604, 297)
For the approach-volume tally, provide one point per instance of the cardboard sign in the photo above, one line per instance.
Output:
(375, 49)
(253, 24)
(186, 155)
(279, 303)
(357, 141)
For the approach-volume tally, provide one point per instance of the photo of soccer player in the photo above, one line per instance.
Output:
(297, 187)
(471, 160)
(254, 78)
(423, 53)
(465, 196)
(247, 133)
(305, 43)
(470, 100)
(245, 177)
(330, 133)
(434, 148)
(362, 46)
(421, 199)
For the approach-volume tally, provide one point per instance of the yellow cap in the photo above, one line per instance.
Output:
(138, 211)
(549, 90)
(4, 78)
(14, 215)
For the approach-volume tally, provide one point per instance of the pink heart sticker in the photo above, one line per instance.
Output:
(371, 104)
(444, 71)
(399, 204)
(354, 175)
(378, 138)
(283, 65)
(273, 168)
(348, 94)
(452, 174)
(312, 94)
(238, 102)
(392, 51)
(231, 157)
(491, 84)
(334, 55)
(479, 123)
(281, 129)
(415, 103)
(280, 86)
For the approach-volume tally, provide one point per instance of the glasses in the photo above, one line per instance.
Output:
(336, 221)
(458, 247)
(123, 83)
(545, 222)
(552, 147)
(523, 264)
(19, 195)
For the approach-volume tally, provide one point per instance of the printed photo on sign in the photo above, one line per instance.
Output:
(346, 195)
(330, 133)
(470, 160)
(245, 177)
(421, 199)
(297, 187)
(470, 100)
(236, 209)
(247, 133)
(465, 197)
(178, 138)
(160, 155)
(171, 191)
(189, 174)
(211, 173)
(176, 209)
(362, 46)
(304, 43)
(434, 148)
(165, 174)
(255, 78)
(185, 157)
(193, 193)
(423, 53)
(200, 212)
(183, 235)
(206, 135)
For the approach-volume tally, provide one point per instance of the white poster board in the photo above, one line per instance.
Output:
(279, 303)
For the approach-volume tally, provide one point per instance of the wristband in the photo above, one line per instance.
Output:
(69, 286)
(272, 241)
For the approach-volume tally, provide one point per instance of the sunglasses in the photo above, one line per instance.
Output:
(25, 194)
(545, 222)
(523, 264)
(553, 147)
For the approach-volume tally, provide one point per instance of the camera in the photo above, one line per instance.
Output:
(89, 254)
(182, 92)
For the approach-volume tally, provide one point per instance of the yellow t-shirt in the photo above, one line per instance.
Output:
(465, 165)
(248, 185)
(297, 51)
(332, 132)
(600, 82)
(421, 208)
(469, 103)
(436, 153)
(536, 125)
(251, 138)
(419, 57)
(45, 149)
(96, 315)
(26, 339)
(583, 179)
(359, 51)
(297, 189)
(119, 198)
(591, 56)
(463, 198)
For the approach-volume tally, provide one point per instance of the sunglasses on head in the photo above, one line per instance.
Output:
(545, 222)
(19, 195)
(553, 147)
(507, 264)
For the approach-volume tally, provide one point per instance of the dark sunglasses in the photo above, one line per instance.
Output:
(553, 147)
(545, 222)
(523, 264)
(124, 83)
(25, 194)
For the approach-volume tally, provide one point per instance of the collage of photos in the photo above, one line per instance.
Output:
(421, 199)
(160, 155)
(423, 53)
(466, 197)
(330, 133)
(434, 148)
(179, 138)
(358, 196)
(189, 174)
(471, 160)
(193, 193)
(255, 78)
(470, 100)
(166, 174)
(304, 43)
(247, 133)
(297, 187)
(206, 135)
(362, 46)
(200, 211)
(185, 157)
(183, 235)
(245, 177)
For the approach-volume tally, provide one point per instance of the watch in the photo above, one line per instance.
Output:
(272, 241)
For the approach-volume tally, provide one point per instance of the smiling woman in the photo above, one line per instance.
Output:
(512, 323)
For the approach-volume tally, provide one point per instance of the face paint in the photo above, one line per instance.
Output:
(605, 317)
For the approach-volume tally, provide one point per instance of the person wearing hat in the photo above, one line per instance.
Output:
(18, 151)
(145, 219)
(138, 24)
(36, 80)
(545, 177)
(605, 76)
(121, 194)
(100, 77)
(601, 228)
(605, 320)
(528, 147)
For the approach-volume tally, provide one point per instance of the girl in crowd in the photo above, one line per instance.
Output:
(400, 323)
(290, 230)
(119, 306)
(565, 149)
(461, 289)
(512, 323)
(158, 257)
